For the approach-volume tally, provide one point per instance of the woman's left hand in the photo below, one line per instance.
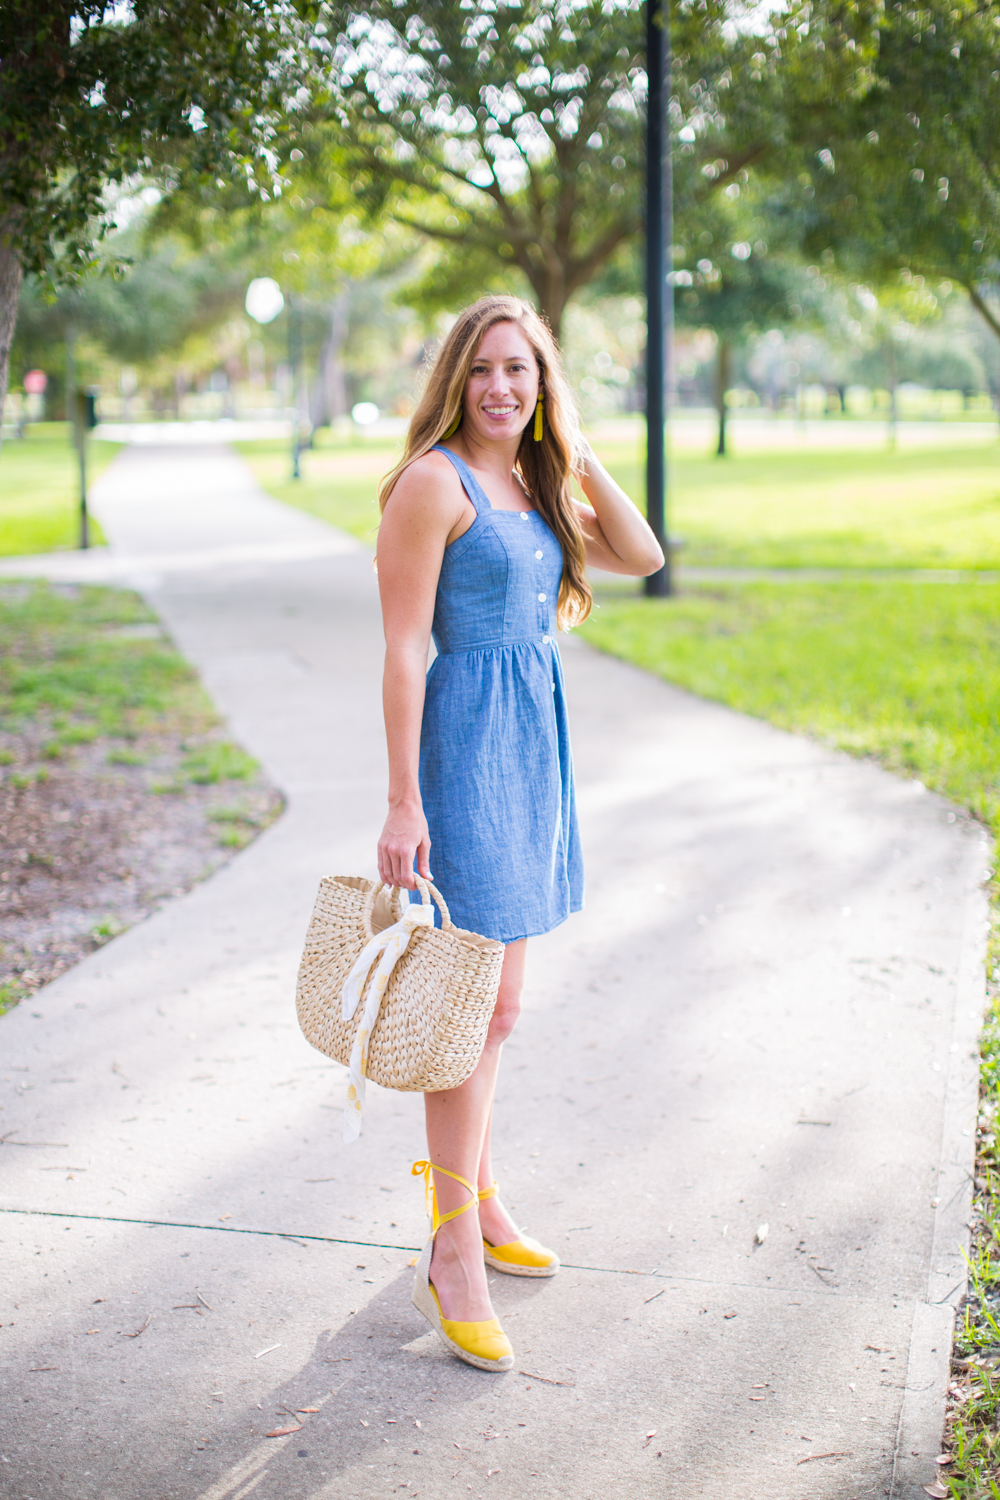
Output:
(616, 534)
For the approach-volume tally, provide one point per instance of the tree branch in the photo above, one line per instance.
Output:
(982, 308)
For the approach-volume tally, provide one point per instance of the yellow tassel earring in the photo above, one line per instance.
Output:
(454, 426)
(538, 419)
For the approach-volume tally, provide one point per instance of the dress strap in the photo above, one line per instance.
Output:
(470, 483)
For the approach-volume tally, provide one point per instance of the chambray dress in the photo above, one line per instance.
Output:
(496, 772)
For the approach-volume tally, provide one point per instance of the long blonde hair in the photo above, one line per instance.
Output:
(546, 468)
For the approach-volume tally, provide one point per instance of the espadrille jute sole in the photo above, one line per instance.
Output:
(425, 1301)
(511, 1268)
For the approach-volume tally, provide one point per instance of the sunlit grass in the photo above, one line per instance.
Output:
(338, 480)
(68, 660)
(39, 490)
(936, 508)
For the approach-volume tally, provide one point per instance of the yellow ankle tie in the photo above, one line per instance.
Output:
(426, 1169)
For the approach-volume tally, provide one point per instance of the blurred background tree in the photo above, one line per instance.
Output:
(91, 94)
(514, 136)
(908, 179)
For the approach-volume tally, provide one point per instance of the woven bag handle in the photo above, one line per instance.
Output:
(426, 889)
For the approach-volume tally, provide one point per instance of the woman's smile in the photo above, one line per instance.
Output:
(500, 413)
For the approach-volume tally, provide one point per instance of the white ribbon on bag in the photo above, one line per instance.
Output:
(391, 943)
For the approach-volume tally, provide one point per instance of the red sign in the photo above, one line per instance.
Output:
(35, 382)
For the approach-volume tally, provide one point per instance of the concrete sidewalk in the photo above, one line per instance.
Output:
(767, 1015)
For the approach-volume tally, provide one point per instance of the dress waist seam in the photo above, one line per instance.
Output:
(530, 640)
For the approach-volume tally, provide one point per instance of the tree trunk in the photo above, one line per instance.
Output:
(329, 395)
(988, 318)
(723, 366)
(549, 286)
(552, 311)
(10, 286)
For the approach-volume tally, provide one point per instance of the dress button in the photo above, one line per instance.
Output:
(545, 640)
(524, 515)
(538, 554)
(541, 598)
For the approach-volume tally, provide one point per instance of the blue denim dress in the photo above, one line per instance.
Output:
(496, 772)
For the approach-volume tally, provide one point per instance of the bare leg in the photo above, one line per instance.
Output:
(496, 1224)
(457, 1127)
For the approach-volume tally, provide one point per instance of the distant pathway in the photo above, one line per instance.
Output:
(741, 1104)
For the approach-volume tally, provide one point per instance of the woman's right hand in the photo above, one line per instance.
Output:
(405, 839)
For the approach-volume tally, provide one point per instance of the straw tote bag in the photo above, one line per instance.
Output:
(425, 994)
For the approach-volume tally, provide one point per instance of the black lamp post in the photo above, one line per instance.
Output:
(295, 364)
(659, 290)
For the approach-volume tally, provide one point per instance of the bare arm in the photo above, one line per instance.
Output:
(424, 510)
(616, 534)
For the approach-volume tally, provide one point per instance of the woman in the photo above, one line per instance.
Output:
(483, 545)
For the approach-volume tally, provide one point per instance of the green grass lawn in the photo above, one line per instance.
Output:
(39, 495)
(86, 662)
(939, 508)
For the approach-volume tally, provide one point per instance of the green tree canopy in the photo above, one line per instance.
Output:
(515, 133)
(92, 93)
(908, 178)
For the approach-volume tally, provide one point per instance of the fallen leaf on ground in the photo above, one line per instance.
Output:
(92, 1330)
(649, 1438)
(284, 1431)
(943, 1458)
(729, 1315)
(761, 1234)
(307, 1410)
(936, 1490)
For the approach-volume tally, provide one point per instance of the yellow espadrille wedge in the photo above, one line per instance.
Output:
(483, 1344)
(523, 1257)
